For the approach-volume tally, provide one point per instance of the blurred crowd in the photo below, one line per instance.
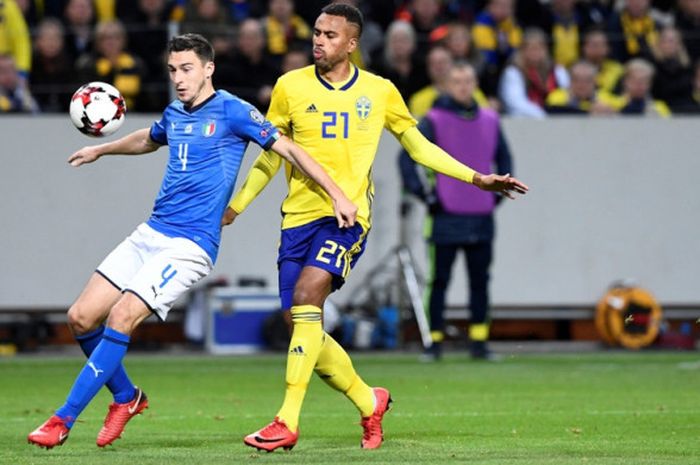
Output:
(533, 57)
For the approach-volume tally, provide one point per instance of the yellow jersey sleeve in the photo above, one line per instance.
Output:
(428, 154)
(398, 119)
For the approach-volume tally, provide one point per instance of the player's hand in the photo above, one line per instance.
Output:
(229, 216)
(84, 155)
(501, 183)
(345, 212)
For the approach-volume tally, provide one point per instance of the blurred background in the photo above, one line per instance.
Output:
(596, 99)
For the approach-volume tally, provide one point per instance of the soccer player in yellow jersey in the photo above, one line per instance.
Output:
(337, 113)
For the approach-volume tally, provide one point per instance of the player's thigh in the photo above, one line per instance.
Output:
(93, 304)
(312, 287)
(127, 313)
(169, 274)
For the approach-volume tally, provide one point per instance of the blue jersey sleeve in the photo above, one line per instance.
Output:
(248, 123)
(158, 133)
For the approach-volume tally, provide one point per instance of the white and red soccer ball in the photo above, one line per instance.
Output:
(97, 109)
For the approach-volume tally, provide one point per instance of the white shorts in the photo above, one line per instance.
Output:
(156, 268)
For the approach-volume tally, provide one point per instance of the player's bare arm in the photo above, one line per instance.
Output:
(136, 143)
(345, 210)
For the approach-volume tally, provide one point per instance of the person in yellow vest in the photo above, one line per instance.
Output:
(581, 97)
(496, 32)
(439, 62)
(14, 37)
(564, 27)
(112, 63)
(283, 27)
(596, 51)
(636, 98)
(634, 31)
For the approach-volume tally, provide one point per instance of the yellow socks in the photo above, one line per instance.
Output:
(304, 348)
(335, 368)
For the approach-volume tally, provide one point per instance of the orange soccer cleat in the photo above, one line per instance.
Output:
(118, 416)
(373, 435)
(273, 436)
(53, 432)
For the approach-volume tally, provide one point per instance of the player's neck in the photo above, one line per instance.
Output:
(203, 96)
(339, 73)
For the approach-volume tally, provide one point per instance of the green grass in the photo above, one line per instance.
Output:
(603, 408)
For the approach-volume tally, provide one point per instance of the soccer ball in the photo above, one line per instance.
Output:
(97, 109)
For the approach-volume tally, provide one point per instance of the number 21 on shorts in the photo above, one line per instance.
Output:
(330, 251)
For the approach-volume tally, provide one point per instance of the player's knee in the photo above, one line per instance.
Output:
(306, 295)
(122, 318)
(81, 320)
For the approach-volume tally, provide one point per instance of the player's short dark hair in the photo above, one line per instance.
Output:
(349, 12)
(195, 42)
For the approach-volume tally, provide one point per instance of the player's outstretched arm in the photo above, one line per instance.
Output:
(136, 143)
(345, 210)
(428, 154)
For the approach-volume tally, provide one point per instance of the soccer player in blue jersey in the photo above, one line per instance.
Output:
(207, 132)
(337, 112)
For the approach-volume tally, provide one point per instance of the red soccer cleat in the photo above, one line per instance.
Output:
(373, 435)
(273, 436)
(53, 432)
(118, 416)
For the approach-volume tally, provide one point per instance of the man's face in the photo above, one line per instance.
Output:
(250, 38)
(461, 83)
(439, 61)
(334, 39)
(8, 74)
(595, 49)
(583, 83)
(638, 84)
(188, 74)
(637, 8)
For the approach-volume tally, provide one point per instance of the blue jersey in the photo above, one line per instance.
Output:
(207, 143)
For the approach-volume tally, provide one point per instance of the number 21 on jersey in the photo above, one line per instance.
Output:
(331, 121)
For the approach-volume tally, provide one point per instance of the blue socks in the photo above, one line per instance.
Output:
(104, 361)
(119, 385)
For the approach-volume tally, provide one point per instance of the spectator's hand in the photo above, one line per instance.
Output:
(600, 108)
(503, 184)
(229, 216)
(84, 155)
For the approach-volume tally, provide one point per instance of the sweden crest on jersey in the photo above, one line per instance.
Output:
(363, 106)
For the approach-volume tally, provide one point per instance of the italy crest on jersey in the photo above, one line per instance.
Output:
(209, 128)
(363, 106)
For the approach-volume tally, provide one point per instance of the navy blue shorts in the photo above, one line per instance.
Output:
(322, 244)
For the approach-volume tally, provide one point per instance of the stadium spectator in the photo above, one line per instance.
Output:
(251, 72)
(565, 25)
(496, 33)
(596, 51)
(636, 98)
(398, 61)
(14, 38)
(690, 105)
(530, 77)
(111, 62)
(458, 40)
(295, 58)
(687, 20)
(14, 94)
(372, 38)
(52, 80)
(438, 62)
(460, 216)
(425, 16)
(283, 28)
(212, 20)
(79, 20)
(581, 97)
(633, 31)
(674, 74)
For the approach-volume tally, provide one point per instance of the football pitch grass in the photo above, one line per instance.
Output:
(594, 408)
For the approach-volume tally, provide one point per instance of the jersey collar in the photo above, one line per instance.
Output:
(199, 105)
(345, 86)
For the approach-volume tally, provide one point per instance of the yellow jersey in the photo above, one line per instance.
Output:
(339, 124)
